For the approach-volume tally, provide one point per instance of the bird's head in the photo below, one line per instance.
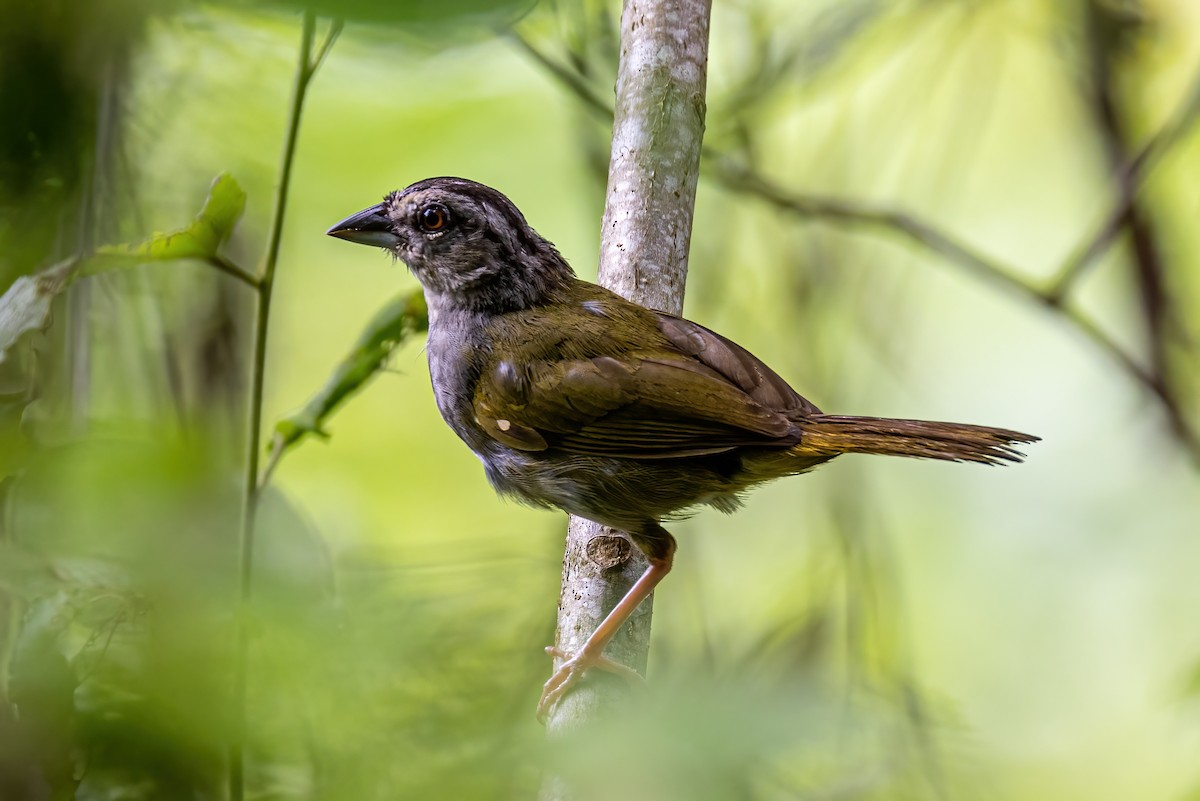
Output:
(465, 242)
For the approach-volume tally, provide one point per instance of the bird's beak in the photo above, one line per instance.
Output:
(368, 227)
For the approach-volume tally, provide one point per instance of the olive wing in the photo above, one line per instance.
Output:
(654, 405)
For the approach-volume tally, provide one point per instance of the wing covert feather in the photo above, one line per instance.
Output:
(658, 406)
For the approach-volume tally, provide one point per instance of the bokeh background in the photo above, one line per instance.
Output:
(879, 629)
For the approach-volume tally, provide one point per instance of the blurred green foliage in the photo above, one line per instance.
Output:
(391, 325)
(873, 631)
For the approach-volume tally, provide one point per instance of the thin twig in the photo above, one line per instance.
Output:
(1184, 431)
(229, 268)
(278, 445)
(331, 36)
(1130, 182)
(571, 78)
(888, 220)
(250, 497)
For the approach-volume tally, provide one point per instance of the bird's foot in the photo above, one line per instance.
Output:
(572, 669)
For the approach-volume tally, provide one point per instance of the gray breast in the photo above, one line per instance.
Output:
(454, 351)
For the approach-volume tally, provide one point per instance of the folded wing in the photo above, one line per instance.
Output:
(698, 394)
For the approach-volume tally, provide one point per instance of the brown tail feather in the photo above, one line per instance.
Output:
(952, 442)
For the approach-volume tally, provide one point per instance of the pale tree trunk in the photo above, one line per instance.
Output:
(657, 131)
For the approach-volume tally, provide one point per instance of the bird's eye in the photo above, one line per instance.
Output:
(433, 218)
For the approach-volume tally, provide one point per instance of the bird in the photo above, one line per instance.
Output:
(576, 398)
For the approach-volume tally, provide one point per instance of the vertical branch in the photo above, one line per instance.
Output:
(657, 132)
(1106, 46)
(251, 494)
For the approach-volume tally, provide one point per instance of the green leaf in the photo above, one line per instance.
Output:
(200, 240)
(402, 317)
(26, 304)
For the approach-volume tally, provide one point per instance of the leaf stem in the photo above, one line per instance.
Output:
(331, 36)
(229, 268)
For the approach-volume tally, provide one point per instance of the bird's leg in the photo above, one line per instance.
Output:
(661, 551)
